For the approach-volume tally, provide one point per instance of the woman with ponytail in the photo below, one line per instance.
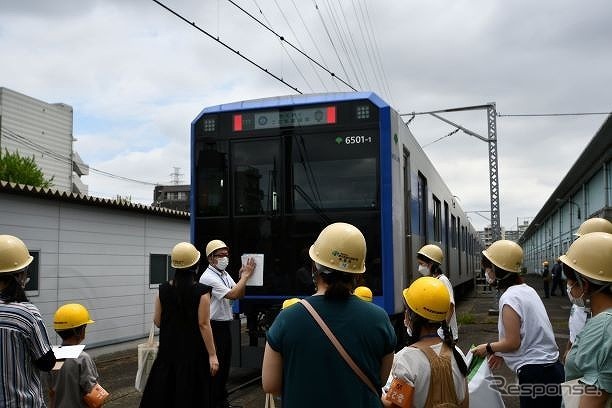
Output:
(301, 363)
(526, 341)
(429, 371)
(187, 358)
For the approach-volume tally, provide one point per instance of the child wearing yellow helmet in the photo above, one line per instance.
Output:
(77, 376)
(427, 362)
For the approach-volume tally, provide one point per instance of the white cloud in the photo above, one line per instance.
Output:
(137, 76)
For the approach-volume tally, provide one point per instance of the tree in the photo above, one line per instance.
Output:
(22, 170)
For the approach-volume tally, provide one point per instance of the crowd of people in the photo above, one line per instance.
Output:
(336, 347)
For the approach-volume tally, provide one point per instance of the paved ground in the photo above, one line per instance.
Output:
(117, 366)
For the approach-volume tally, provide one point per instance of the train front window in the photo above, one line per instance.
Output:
(335, 171)
(256, 165)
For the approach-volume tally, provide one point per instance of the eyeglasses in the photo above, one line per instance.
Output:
(220, 255)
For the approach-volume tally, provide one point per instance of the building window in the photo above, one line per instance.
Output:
(33, 273)
(160, 270)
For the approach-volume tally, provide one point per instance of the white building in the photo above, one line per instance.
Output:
(43, 130)
(109, 256)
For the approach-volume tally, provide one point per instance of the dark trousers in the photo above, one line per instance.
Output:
(556, 283)
(223, 345)
(540, 385)
(546, 288)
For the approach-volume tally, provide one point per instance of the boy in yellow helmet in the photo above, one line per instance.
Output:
(78, 376)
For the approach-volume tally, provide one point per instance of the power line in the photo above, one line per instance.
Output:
(552, 114)
(16, 137)
(283, 39)
(237, 52)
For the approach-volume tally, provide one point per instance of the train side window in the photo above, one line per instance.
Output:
(453, 231)
(160, 269)
(422, 191)
(437, 219)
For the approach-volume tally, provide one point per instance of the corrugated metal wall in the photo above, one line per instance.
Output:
(95, 256)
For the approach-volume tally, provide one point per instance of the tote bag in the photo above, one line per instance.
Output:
(147, 352)
(483, 392)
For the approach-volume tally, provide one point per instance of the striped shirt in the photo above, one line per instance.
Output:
(23, 340)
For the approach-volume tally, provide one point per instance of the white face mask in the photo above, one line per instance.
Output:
(424, 270)
(489, 276)
(578, 301)
(222, 263)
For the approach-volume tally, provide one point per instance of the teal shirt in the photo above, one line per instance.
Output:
(314, 373)
(590, 358)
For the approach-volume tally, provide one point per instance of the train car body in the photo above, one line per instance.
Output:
(269, 174)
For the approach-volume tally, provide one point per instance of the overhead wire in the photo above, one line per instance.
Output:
(362, 24)
(331, 41)
(16, 137)
(354, 47)
(314, 43)
(377, 52)
(338, 29)
(298, 41)
(552, 114)
(292, 46)
(237, 52)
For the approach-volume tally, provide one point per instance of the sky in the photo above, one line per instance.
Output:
(136, 76)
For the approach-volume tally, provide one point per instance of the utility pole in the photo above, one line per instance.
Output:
(491, 140)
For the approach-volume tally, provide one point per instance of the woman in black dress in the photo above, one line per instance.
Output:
(186, 359)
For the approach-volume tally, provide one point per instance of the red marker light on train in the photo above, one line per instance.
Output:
(237, 123)
(331, 114)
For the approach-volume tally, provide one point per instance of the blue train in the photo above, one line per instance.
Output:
(269, 174)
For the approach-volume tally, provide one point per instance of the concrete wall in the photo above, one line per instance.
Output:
(32, 127)
(93, 255)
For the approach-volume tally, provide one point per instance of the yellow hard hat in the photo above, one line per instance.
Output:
(213, 245)
(505, 254)
(290, 302)
(545, 263)
(184, 255)
(14, 255)
(363, 293)
(594, 225)
(591, 256)
(341, 247)
(70, 316)
(428, 297)
(432, 252)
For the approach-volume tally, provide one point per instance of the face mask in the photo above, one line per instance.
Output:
(222, 263)
(424, 270)
(488, 276)
(578, 301)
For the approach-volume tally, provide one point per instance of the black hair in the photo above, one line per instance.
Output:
(73, 332)
(419, 323)
(504, 278)
(13, 292)
(340, 285)
(182, 283)
(435, 267)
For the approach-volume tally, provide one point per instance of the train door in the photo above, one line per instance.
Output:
(257, 204)
(408, 262)
(446, 240)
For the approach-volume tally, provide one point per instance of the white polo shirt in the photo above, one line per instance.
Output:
(221, 283)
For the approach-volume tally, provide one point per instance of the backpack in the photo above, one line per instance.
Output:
(441, 392)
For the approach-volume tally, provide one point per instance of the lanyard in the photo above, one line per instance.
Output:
(220, 276)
